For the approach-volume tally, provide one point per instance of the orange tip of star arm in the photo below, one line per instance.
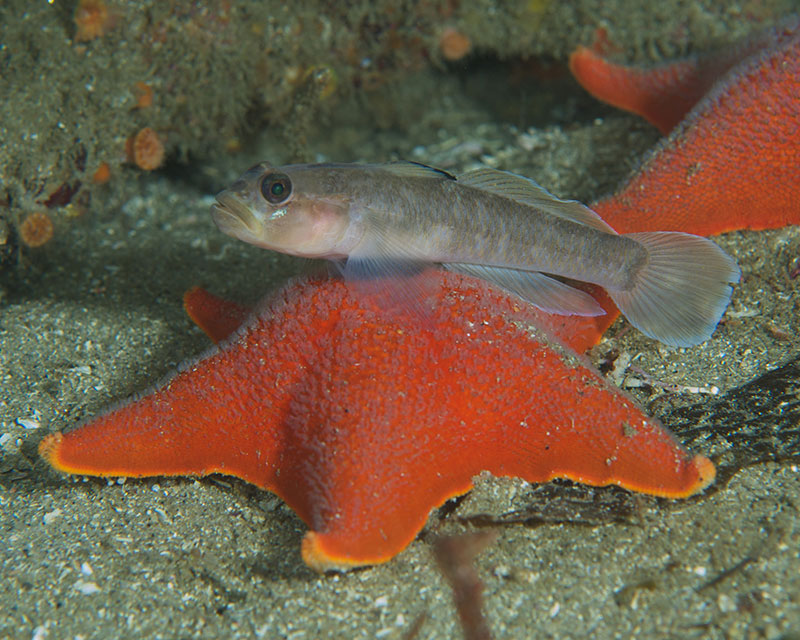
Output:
(338, 550)
(707, 473)
(661, 95)
(701, 475)
(48, 449)
(217, 317)
(689, 477)
(319, 558)
(52, 450)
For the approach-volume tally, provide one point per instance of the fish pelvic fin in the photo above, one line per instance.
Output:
(398, 286)
(681, 292)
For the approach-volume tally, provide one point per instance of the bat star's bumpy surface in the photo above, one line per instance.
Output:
(733, 161)
(363, 420)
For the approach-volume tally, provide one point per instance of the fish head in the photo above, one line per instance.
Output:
(282, 208)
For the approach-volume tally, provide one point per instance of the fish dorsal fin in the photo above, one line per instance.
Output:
(407, 169)
(526, 191)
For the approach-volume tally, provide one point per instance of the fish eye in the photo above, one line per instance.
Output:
(276, 188)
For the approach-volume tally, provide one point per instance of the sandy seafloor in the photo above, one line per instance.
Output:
(96, 315)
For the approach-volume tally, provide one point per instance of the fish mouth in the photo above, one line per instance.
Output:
(234, 218)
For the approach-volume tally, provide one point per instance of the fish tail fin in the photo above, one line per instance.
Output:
(681, 292)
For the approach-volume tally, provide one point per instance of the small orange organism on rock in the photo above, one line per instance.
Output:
(102, 174)
(36, 229)
(144, 95)
(146, 150)
(454, 44)
(92, 19)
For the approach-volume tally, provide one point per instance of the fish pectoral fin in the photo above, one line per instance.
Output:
(542, 291)
(526, 191)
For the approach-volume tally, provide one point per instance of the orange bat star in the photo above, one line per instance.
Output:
(363, 420)
(732, 163)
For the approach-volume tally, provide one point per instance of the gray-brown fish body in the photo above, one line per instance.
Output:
(499, 226)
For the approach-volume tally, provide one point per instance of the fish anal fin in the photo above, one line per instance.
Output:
(542, 291)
